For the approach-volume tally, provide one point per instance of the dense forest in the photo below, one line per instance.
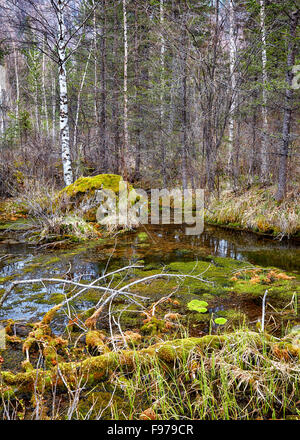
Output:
(112, 101)
(196, 93)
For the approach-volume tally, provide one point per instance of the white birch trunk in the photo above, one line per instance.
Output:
(264, 148)
(63, 96)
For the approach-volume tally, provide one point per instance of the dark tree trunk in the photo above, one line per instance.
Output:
(287, 119)
(184, 122)
(115, 101)
(103, 119)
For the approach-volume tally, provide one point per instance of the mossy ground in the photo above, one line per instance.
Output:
(126, 383)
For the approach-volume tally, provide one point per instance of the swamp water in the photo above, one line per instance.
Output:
(160, 248)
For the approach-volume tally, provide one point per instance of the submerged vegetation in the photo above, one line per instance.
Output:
(139, 348)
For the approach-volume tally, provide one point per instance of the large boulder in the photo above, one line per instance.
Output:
(82, 194)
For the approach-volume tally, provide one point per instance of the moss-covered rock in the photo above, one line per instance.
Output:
(85, 185)
(82, 193)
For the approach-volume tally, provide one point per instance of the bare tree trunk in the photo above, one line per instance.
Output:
(115, 100)
(184, 145)
(63, 96)
(125, 94)
(162, 93)
(44, 91)
(184, 137)
(36, 90)
(17, 110)
(232, 61)
(103, 128)
(287, 119)
(138, 112)
(264, 141)
(96, 114)
(78, 102)
(211, 156)
(53, 111)
(3, 99)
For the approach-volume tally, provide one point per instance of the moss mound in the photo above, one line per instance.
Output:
(85, 185)
(81, 193)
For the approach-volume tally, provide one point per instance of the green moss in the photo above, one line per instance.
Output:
(95, 339)
(282, 289)
(142, 236)
(17, 225)
(153, 327)
(51, 261)
(82, 192)
(57, 298)
(180, 348)
(129, 318)
(200, 317)
(217, 273)
(90, 184)
(92, 296)
(232, 315)
(8, 278)
(104, 403)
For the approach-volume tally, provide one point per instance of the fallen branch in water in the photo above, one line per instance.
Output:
(63, 281)
(93, 285)
(109, 294)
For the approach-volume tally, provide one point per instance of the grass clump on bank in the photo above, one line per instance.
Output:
(68, 215)
(256, 210)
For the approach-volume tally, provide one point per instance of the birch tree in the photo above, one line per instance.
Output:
(47, 23)
(60, 6)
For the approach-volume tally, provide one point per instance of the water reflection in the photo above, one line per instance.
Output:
(158, 244)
